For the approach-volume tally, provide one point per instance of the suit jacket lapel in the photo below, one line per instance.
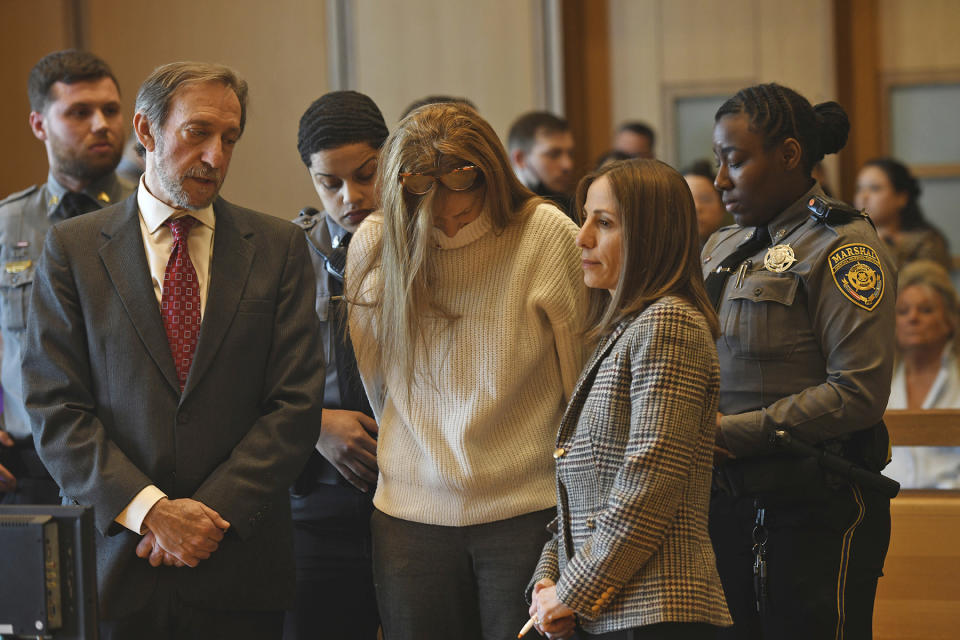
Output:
(232, 259)
(585, 383)
(123, 257)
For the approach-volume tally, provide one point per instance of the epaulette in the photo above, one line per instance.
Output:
(19, 195)
(834, 212)
(307, 218)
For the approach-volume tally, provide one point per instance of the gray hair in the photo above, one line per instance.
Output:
(157, 91)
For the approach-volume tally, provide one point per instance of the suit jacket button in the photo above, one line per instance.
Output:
(595, 608)
(591, 523)
(183, 417)
(559, 452)
(610, 590)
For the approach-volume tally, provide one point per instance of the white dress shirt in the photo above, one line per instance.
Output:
(158, 245)
(928, 467)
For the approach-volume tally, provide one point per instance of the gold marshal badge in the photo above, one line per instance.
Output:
(779, 258)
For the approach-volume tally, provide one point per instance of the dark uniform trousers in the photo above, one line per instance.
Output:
(335, 597)
(825, 550)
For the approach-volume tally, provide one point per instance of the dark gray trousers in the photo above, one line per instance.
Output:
(436, 582)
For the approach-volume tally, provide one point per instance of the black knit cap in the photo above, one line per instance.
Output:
(338, 118)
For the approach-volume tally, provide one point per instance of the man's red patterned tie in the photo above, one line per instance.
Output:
(180, 300)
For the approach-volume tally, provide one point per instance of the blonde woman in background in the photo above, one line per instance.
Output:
(927, 373)
(466, 309)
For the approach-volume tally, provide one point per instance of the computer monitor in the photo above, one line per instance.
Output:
(49, 584)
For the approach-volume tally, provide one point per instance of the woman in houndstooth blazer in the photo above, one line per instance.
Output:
(631, 557)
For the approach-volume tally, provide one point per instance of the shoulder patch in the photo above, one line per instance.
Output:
(19, 195)
(858, 274)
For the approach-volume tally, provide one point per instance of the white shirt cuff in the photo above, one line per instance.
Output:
(133, 514)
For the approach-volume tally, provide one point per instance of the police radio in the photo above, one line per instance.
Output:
(834, 212)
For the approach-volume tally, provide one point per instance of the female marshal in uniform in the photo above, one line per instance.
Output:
(806, 309)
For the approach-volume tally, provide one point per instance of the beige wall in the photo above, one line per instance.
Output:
(919, 35)
(400, 51)
(278, 46)
(490, 52)
(665, 48)
(23, 161)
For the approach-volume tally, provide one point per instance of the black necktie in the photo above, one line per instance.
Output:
(717, 278)
(336, 259)
(352, 395)
(74, 204)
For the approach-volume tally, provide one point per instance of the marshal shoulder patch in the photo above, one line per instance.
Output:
(857, 273)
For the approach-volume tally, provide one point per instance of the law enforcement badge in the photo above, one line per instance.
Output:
(857, 273)
(779, 258)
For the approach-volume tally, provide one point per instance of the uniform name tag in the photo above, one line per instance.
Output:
(17, 266)
(857, 273)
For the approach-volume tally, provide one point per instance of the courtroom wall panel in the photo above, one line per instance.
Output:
(278, 46)
(28, 31)
(490, 52)
(665, 49)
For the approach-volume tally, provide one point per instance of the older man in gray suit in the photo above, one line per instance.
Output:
(174, 380)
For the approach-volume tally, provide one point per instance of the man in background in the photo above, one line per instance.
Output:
(75, 112)
(636, 139)
(540, 145)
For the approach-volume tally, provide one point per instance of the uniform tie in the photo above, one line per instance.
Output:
(74, 204)
(180, 299)
(717, 279)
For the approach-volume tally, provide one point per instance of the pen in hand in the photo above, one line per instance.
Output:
(532, 621)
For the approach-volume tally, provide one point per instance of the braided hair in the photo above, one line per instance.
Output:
(339, 118)
(778, 113)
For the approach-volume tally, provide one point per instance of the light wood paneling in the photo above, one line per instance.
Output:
(635, 50)
(929, 427)
(279, 47)
(587, 79)
(919, 35)
(858, 52)
(918, 597)
(664, 49)
(707, 41)
(796, 47)
(489, 52)
(24, 160)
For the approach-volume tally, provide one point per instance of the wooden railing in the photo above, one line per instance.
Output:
(919, 596)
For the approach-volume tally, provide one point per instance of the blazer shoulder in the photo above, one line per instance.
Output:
(669, 318)
(250, 220)
(106, 220)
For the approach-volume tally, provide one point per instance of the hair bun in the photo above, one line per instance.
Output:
(834, 126)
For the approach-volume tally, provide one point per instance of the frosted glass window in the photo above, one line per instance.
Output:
(923, 122)
(694, 118)
(940, 201)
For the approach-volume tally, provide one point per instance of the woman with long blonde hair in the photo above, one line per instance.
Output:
(466, 310)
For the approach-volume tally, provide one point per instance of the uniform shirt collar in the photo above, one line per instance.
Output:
(787, 221)
(155, 212)
(105, 191)
(337, 232)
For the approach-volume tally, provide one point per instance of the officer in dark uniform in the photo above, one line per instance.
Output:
(339, 141)
(75, 111)
(806, 309)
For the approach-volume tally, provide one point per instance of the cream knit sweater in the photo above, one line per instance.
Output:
(476, 444)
